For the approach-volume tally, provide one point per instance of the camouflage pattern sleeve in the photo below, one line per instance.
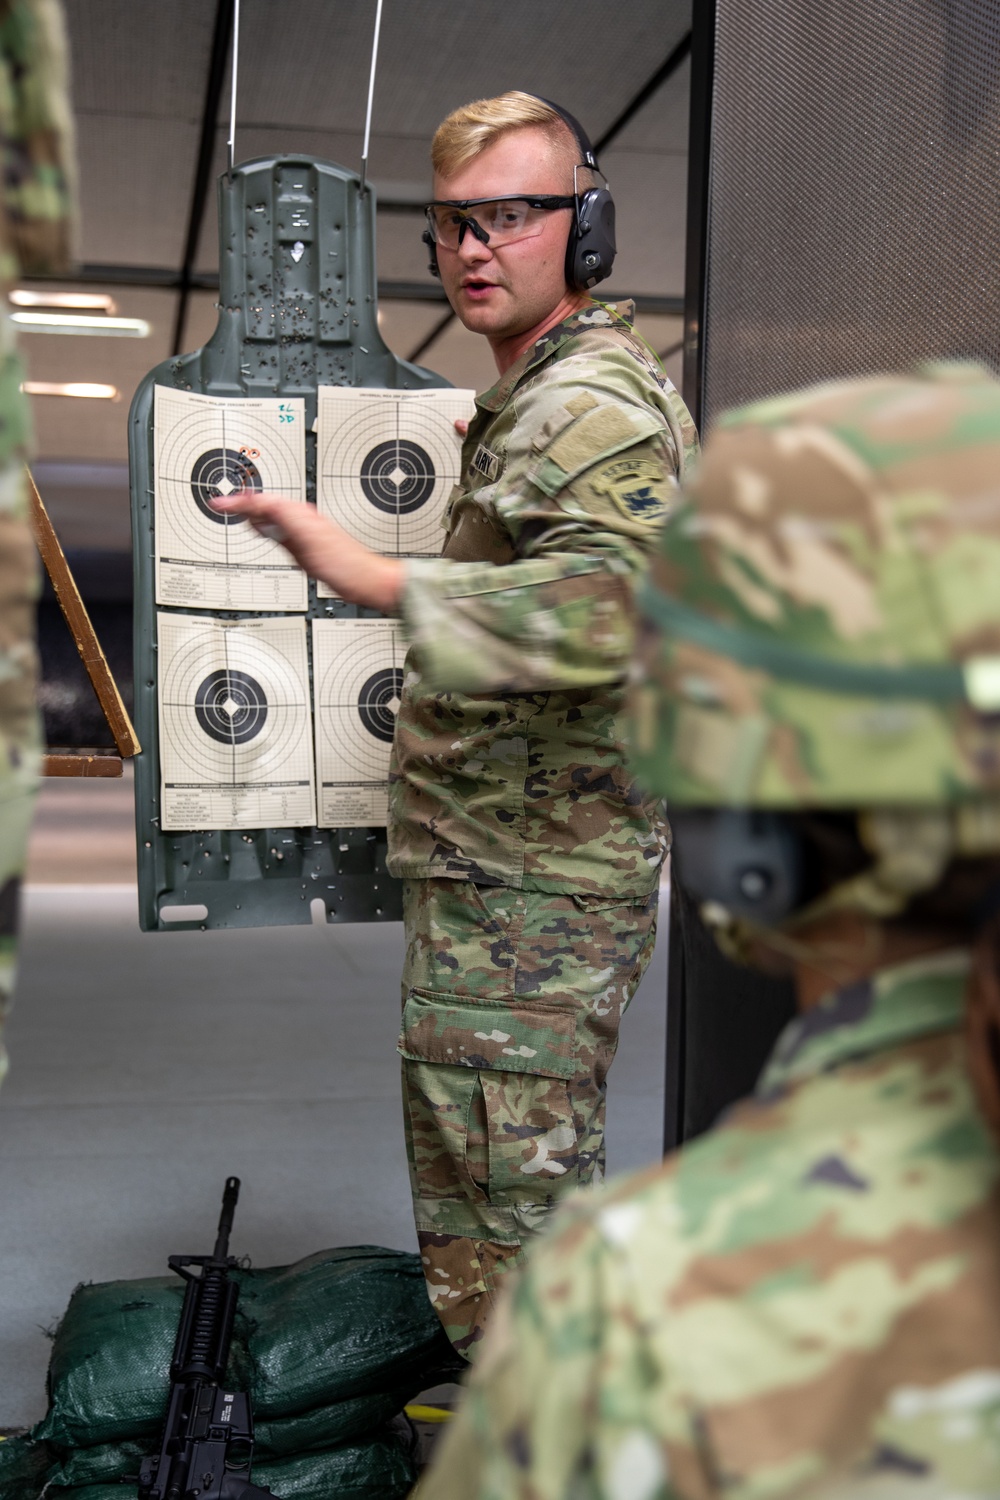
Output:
(539, 1420)
(803, 1301)
(581, 520)
(35, 218)
(37, 139)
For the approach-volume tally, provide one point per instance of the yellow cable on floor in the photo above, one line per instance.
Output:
(428, 1413)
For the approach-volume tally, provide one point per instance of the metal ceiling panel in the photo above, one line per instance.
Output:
(139, 57)
(307, 62)
(662, 124)
(135, 188)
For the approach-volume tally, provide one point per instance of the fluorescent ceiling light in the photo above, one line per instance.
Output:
(42, 322)
(95, 301)
(86, 389)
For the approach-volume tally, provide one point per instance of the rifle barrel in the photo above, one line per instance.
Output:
(229, 1197)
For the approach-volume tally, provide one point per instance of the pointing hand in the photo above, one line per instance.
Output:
(321, 547)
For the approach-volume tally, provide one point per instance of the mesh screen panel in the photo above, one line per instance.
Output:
(854, 217)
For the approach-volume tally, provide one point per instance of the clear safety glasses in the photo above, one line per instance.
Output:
(493, 221)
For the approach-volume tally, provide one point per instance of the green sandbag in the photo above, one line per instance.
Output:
(338, 1331)
(109, 1370)
(23, 1465)
(106, 1463)
(378, 1469)
(323, 1427)
(340, 1324)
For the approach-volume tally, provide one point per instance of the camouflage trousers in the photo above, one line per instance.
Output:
(511, 1006)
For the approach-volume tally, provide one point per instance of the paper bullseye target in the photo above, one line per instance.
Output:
(234, 714)
(387, 461)
(357, 684)
(207, 446)
(223, 471)
(378, 702)
(398, 477)
(231, 706)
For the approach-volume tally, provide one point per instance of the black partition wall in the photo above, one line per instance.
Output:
(843, 218)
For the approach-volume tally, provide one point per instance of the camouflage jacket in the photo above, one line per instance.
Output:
(804, 1301)
(508, 765)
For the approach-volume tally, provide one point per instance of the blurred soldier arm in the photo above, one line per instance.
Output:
(37, 198)
(39, 181)
(549, 1410)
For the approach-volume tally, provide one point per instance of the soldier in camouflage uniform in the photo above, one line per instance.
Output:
(36, 194)
(806, 1300)
(530, 858)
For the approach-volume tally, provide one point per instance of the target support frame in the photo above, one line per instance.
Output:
(297, 309)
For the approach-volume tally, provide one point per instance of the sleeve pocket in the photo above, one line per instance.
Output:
(506, 1038)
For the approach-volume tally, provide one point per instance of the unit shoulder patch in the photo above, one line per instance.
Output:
(639, 488)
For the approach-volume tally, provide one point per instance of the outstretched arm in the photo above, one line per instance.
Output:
(324, 549)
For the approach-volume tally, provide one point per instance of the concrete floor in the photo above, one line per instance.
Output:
(146, 1068)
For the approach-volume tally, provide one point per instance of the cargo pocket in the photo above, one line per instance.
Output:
(512, 1039)
(519, 1061)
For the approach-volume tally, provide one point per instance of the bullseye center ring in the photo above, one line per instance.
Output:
(398, 477)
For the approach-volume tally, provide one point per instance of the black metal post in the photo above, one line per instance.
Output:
(699, 167)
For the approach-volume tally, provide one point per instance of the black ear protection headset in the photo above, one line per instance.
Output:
(749, 861)
(590, 251)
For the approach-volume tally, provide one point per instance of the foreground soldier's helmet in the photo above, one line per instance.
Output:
(822, 630)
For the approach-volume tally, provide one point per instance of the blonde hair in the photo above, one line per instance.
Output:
(474, 127)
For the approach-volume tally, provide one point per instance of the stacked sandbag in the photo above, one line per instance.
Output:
(329, 1349)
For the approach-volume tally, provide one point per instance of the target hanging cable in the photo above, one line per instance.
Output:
(371, 96)
(231, 143)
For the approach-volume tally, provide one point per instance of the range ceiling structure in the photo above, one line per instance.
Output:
(151, 87)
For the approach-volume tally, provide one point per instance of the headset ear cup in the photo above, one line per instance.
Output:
(432, 254)
(590, 252)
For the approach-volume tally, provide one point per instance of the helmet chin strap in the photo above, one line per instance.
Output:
(912, 849)
(741, 940)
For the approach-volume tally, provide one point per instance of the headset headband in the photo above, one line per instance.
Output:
(582, 138)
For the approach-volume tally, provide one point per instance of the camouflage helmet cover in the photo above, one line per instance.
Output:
(822, 623)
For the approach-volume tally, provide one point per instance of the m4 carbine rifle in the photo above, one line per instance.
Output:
(207, 1444)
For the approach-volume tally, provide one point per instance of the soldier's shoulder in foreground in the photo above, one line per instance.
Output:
(719, 1316)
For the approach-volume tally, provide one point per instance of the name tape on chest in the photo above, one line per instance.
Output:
(486, 463)
(639, 488)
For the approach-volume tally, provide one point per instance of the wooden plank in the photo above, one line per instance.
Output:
(77, 619)
(84, 763)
